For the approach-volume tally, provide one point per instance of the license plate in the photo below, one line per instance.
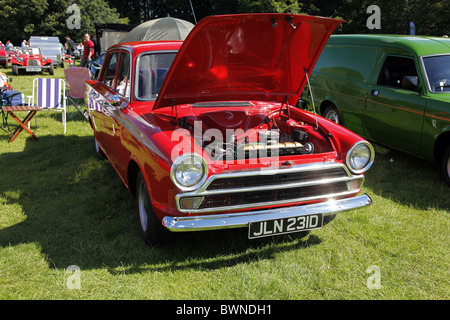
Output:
(33, 69)
(285, 225)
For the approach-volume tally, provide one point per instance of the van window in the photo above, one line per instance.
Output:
(399, 72)
(354, 62)
(438, 72)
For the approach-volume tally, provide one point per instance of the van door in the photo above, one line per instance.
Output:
(395, 107)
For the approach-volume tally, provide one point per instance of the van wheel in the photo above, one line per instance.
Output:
(446, 166)
(331, 113)
(152, 230)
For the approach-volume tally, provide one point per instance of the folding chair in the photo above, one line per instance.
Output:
(49, 94)
(76, 77)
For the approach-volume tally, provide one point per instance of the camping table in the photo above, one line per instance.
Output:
(23, 125)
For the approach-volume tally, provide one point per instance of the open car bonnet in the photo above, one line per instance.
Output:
(246, 57)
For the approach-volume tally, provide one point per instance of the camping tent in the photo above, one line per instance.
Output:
(160, 29)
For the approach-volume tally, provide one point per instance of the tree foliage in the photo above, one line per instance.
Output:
(23, 18)
(430, 17)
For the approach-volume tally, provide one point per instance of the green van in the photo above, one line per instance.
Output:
(394, 90)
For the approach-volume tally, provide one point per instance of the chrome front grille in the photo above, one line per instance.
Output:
(33, 63)
(258, 188)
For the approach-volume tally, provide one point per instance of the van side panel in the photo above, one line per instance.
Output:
(342, 72)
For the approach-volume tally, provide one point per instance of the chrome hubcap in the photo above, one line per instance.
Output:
(333, 116)
(448, 167)
(142, 201)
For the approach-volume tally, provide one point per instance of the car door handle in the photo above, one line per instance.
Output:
(375, 92)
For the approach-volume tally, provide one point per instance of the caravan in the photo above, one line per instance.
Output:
(51, 47)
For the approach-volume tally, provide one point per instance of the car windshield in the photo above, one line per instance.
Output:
(28, 51)
(438, 72)
(150, 74)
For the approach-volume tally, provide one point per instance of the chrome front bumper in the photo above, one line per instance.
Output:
(242, 219)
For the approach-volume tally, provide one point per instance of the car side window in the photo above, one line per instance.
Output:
(111, 67)
(150, 74)
(123, 76)
(399, 72)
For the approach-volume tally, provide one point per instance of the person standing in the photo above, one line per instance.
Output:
(88, 51)
(96, 46)
(70, 46)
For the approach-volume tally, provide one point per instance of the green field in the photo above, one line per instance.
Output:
(60, 207)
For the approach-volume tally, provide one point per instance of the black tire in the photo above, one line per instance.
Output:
(446, 166)
(151, 229)
(15, 70)
(331, 113)
(51, 70)
(98, 151)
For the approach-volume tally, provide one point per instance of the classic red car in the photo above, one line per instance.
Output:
(3, 56)
(31, 59)
(206, 134)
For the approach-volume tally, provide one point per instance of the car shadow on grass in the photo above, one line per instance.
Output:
(56, 194)
(407, 180)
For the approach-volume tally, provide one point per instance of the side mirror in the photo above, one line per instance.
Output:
(115, 101)
(410, 83)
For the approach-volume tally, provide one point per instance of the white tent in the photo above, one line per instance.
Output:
(160, 29)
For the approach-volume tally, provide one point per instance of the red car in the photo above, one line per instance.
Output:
(31, 59)
(206, 134)
(3, 56)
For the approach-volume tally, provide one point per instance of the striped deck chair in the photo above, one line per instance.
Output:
(76, 78)
(49, 94)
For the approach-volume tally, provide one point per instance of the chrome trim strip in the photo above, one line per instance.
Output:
(118, 115)
(274, 186)
(242, 219)
(272, 171)
(269, 203)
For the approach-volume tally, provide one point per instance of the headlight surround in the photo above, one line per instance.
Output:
(360, 157)
(189, 171)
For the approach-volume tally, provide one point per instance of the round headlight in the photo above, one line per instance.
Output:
(189, 171)
(360, 157)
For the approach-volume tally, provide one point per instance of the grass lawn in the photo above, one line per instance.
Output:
(60, 207)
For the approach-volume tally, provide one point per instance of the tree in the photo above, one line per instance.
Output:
(20, 18)
(430, 17)
(49, 17)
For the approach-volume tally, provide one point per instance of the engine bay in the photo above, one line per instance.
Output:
(238, 134)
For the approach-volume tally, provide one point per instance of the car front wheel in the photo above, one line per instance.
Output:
(152, 231)
(15, 70)
(446, 166)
